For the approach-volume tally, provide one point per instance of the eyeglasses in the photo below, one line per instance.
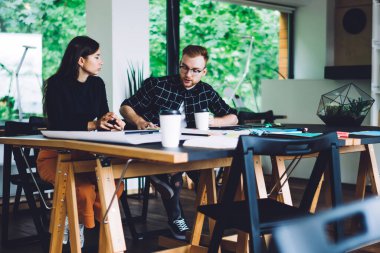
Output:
(185, 69)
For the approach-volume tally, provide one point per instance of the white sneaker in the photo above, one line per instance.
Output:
(66, 231)
(81, 235)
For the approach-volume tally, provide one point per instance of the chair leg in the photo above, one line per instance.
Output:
(128, 216)
(36, 216)
(256, 243)
(17, 199)
(144, 212)
(216, 238)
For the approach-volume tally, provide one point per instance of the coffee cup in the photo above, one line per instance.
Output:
(201, 119)
(170, 128)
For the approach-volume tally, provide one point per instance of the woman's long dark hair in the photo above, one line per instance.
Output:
(80, 46)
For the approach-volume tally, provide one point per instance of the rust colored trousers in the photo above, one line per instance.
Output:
(88, 200)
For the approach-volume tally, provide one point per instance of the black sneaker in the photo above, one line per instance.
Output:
(163, 188)
(179, 228)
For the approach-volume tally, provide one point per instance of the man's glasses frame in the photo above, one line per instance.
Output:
(185, 69)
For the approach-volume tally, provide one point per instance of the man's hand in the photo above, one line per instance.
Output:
(132, 117)
(142, 124)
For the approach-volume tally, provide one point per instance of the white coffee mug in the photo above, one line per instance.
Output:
(170, 128)
(202, 119)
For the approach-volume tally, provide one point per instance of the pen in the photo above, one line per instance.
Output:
(141, 132)
(195, 134)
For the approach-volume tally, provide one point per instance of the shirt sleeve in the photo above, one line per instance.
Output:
(144, 97)
(218, 106)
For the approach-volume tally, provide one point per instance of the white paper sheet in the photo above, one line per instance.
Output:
(108, 137)
(214, 142)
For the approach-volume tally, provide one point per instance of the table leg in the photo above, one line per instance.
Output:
(72, 211)
(201, 199)
(367, 167)
(278, 169)
(211, 193)
(58, 215)
(260, 180)
(373, 171)
(112, 227)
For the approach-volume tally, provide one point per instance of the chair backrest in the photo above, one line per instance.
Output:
(248, 146)
(15, 128)
(275, 146)
(309, 235)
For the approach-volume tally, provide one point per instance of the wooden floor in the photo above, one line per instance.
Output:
(22, 224)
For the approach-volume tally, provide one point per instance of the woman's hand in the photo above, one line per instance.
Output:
(110, 122)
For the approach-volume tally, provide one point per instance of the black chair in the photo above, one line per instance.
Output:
(143, 193)
(28, 180)
(309, 235)
(35, 125)
(247, 117)
(260, 216)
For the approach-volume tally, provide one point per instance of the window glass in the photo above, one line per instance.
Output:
(226, 30)
(157, 38)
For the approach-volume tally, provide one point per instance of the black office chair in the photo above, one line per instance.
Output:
(248, 117)
(27, 180)
(310, 234)
(33, 127)
(260, 216)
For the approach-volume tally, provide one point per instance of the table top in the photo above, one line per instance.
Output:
(155, 151)
(360, 139)
(151, 152)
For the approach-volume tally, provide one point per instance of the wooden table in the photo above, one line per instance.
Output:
(148, 159)
(367, 167)
(153, 159)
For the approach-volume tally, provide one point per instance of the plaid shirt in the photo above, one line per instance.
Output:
(168, 93)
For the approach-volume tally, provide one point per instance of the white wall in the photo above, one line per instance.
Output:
(310, 40)
(299, 98)
(122, 29)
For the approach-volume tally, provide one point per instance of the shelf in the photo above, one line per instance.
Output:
(348, 72)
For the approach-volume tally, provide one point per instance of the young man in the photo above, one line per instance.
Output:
(188, 94)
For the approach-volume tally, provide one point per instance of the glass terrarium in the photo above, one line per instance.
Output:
(345, 106)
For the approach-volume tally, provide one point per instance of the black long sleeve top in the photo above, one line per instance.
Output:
(70, 104)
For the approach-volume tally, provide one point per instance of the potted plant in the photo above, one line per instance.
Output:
(345, 106)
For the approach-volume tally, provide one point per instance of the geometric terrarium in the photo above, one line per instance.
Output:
(345, 106)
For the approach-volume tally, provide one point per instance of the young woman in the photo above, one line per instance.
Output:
(75, 99)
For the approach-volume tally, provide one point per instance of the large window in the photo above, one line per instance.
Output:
(58, 22)
(226, 30)
(157, 40)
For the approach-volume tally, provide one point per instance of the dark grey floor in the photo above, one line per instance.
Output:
(22, 225)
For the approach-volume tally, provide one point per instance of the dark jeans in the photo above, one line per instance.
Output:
(173, 206)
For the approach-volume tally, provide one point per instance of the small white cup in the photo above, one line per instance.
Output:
(202, 119)
(170, 128)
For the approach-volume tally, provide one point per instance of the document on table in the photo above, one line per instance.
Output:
(123, 137)
(214, 142)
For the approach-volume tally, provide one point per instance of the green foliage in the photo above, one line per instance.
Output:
(135, 76)
(157, 37)
(219, 26)
(57, 20)
(7, 108)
